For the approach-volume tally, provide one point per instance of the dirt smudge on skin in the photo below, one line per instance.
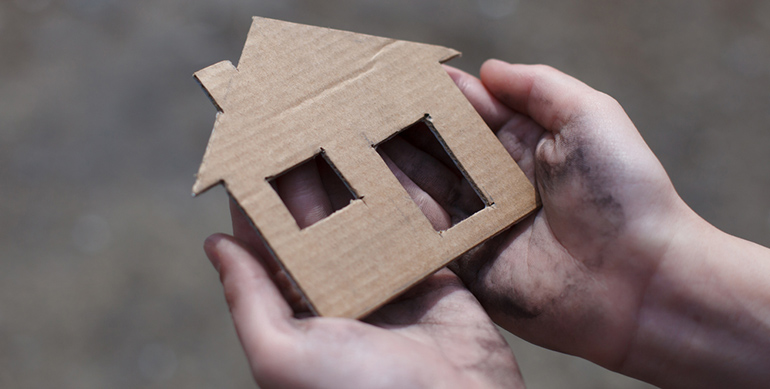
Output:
(583, 179)
(583, 186)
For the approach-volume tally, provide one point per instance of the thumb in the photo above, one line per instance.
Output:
(260, 313)
(548, 96)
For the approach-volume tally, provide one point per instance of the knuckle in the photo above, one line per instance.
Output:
(544, 69)
(590, 102)
(606, 100)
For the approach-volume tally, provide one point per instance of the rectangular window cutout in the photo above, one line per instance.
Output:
(431, 175)
(313, 190)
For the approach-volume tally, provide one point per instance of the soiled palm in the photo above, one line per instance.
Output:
(436, 335)
(572, 276)
(614, 267)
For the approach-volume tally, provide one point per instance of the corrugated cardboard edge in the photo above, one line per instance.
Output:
(263, 208)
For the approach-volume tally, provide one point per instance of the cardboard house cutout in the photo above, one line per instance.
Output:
(299, 91)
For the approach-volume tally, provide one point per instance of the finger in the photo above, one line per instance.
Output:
(517, 132)
(449, 190)
(422, 138)
(520, 137)
(437, 216)
(550, 97)
(304, 195)
(339, 195)
(428, 173)
(244, 231)
(259, 311)
(494, 113)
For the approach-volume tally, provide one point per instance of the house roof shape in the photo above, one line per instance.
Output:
(300, 90)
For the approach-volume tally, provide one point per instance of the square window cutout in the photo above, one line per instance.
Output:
(423, 164)
(313, 190)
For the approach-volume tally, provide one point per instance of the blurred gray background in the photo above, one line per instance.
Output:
(103, 282)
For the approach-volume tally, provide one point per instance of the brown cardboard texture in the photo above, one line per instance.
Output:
(300, 91)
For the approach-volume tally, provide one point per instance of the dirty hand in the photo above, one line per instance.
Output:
(436, 335)
(571, 276)
(614, 267)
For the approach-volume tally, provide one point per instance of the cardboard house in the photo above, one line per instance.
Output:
(302, 91)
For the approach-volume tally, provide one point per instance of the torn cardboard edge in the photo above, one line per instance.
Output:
(301, 90)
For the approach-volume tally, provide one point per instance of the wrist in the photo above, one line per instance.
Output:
(704, 317)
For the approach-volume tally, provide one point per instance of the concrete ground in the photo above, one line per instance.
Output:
(103, 282)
